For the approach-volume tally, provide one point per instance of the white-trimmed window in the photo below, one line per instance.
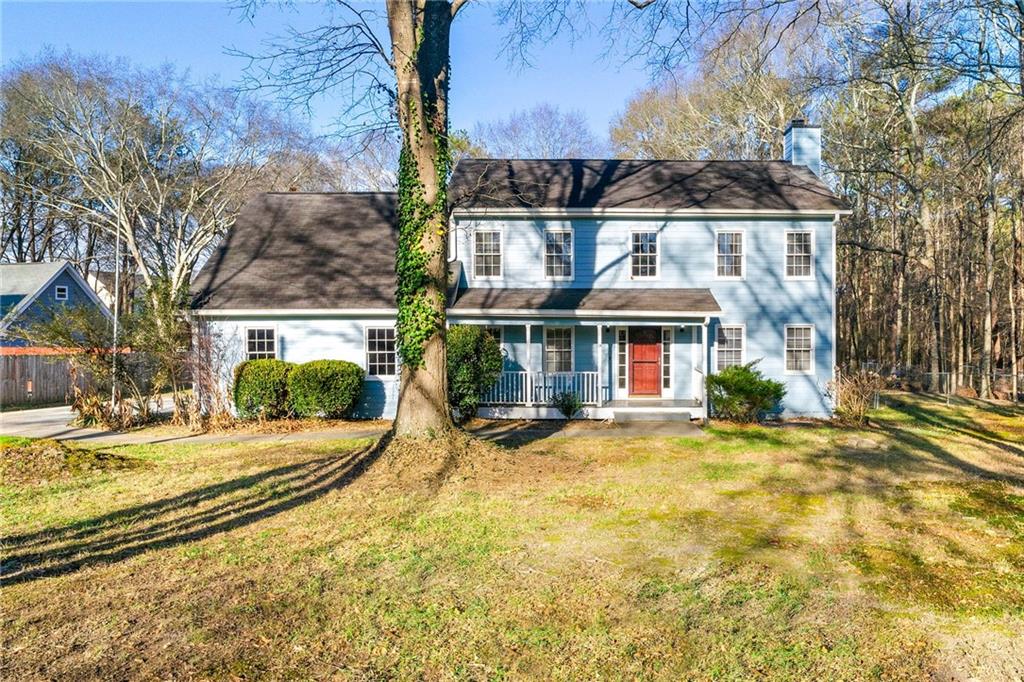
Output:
(557, 349)
(260, 343)
(622, 351)
(496, 332)
(799, 348)
(643, 255)
(381, 355)
(729, 344)
(666, 357)
(558, 253)
(60, 293)
(487, 254)
(729, 255)
(799, 255)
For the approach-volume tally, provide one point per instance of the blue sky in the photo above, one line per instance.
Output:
(195, 35)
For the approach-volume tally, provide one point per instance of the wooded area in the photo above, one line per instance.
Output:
(922, 105)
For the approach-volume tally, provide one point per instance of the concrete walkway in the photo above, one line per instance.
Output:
(53, 422)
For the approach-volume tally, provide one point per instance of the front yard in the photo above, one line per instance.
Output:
(806, 551)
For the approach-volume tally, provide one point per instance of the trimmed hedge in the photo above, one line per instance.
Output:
(742, 393)
(474, 366)
(324, 388)
(261, 389)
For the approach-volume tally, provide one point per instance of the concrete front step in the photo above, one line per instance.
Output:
(634, 415)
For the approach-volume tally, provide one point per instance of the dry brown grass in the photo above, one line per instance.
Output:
(805, 552)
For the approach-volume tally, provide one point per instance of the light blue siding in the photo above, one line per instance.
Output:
(802, 147)
(764, 299)
(304, 338)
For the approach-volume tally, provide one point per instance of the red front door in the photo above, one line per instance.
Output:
(644, 361)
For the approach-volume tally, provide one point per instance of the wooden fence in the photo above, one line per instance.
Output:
(26, 379)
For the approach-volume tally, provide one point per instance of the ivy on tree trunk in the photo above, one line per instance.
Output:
(420, 34)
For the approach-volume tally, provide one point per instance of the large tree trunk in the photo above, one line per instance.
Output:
(420, 34)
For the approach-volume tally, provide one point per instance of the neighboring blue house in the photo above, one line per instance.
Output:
(624, 281)
(29, 291)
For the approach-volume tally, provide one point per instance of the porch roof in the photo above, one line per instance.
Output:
(571, 302)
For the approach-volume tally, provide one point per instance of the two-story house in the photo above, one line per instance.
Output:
(625, 281)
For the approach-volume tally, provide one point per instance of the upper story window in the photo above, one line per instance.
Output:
(799, 348)
(260, 343)
(729, 346)
(60, 293)
(729, 256)
(643, 256)
(381, 356)
(487, 254)
(557, 349)
(558, 254)
(799, 255)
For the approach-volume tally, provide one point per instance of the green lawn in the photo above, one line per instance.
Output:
(806, 551)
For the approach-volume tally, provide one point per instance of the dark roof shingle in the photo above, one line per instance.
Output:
(590, 300)
(298, 251)
(609, 184)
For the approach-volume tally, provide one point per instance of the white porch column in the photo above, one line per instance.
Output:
(704, 367)
(529, 368)
(600, 364)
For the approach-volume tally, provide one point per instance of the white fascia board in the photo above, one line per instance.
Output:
(296, 312)
(643, 213)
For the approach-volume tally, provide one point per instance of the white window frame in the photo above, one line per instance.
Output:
(671, 365)
(743, 254)
(501, 253)
(366, 353)
(743, 343)
(245, 340)
(657, 254)
(622, 360)
(572, 254)
(785, 256)
(572, 349)
(57, 291)
(500, 338)
(785, 350)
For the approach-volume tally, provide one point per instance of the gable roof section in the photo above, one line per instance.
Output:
(22, 283)
(638, 186)
(292, 250)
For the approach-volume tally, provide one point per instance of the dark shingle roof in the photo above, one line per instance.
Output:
(639, 184)
(615, 300)
(305, 251)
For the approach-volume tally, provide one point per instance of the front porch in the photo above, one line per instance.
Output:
(619, 370)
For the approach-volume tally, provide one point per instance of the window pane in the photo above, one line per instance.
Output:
(644, 254)
(666, 358)
(260, 344)
(729, 342)
(798, 254)
(622, 358)
(487, 254)
(730, 254)
(558, 349)
(558, 254)
(798, 349)
(381, 358)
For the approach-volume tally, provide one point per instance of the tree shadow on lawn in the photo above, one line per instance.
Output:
(176, 520)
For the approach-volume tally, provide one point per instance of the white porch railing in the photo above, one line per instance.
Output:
(538, 388)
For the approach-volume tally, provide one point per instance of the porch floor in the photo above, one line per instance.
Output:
(645, 403)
